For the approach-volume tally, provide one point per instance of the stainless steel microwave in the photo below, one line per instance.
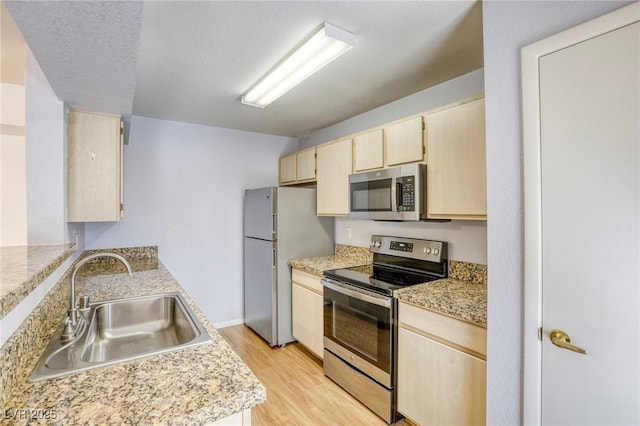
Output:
(397, 193)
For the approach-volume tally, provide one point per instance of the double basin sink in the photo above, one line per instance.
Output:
(123, 330)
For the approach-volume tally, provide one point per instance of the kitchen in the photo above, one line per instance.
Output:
(159, 194)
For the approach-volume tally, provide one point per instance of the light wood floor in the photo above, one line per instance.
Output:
(298, 393)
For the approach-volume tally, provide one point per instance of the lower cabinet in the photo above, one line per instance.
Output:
(441, 369)
(306, 311)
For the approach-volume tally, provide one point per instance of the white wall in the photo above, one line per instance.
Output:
(45, 159)
(46, 163)
(45, 155)
(508, 26)
(13, 193)
(467, 240)
(183, 191)
(450, 91)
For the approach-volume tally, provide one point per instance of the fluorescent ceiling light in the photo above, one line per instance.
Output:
(318, 50)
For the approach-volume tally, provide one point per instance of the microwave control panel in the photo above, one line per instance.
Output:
(406, 193)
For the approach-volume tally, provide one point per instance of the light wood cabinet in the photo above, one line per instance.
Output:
(307, 311)
(299, 167)
(306, 164)
(404, 141)
(456, 162)
(368, 151)
(334, 166)
(441, 368)
(94, 167)
(449, 139)
(287, 169)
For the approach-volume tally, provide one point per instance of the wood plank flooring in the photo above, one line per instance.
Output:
(298, 393)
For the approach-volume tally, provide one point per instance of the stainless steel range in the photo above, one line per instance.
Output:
(360, 317)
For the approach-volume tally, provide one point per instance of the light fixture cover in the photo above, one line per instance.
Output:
(318, 50)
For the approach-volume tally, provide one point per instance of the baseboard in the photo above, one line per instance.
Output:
(229, 323)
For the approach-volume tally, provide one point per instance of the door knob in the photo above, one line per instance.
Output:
(562, 340)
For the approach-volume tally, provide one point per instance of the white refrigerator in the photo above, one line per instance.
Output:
(280, 223)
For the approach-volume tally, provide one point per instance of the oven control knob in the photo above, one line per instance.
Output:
(436, 251)
(427, 250)
(378, 244)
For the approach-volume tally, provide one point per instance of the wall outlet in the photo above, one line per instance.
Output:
(348, 232)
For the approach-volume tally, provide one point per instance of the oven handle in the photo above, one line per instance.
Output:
(369, 298)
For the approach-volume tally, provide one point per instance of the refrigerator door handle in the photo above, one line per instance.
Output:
(273, 224)
(274, 297)
(273, 257)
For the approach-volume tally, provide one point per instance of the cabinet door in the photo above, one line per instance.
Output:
(94, 167)
(334, 167)
(306, 164)
(368, 151)
(439, 385)
(456, 163)
(287, 169)
(405, 141)
(307, 318)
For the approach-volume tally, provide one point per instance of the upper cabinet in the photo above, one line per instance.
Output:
(287, 169)
(334, 166)
(94, 167)
(368, 151)
(456, 162)
(449, 139)
(306, 164)
(299, 167)
(405, 141)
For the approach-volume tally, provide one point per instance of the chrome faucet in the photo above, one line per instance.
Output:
(74, 320)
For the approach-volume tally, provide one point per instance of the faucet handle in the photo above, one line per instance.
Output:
(83, 303)
(68, 333)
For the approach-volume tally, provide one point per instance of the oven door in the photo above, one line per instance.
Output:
(358, 328)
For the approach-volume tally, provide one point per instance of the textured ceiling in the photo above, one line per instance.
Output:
(87, 50)
(195, 59)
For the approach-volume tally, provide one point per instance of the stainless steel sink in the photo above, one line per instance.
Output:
(122, 330)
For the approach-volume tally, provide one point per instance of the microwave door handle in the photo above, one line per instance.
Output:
(394, 196)
(398, 194)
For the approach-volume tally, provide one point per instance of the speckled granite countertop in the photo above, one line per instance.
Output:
(344, 257)
(465, 300)
(317, 265)
(23, 268)
(196, 385)
(463, 295)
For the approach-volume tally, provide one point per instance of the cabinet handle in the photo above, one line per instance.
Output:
(562, 340)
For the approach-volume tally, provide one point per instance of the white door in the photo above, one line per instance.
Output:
(589, 156)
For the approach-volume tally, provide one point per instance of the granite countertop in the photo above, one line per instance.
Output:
(465, 300)
(317, 265)
(23, 268)
(344, 257)
(195, 385)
